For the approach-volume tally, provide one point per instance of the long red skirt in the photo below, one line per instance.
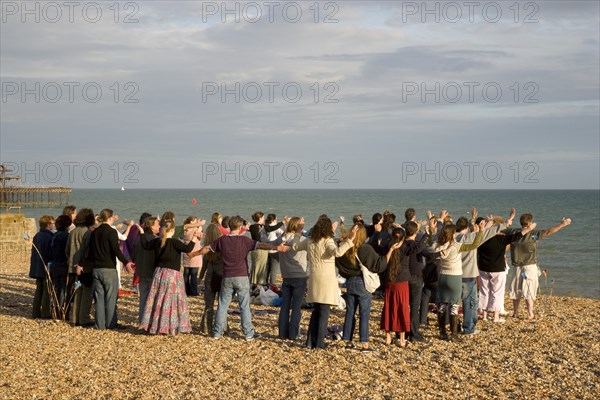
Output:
(395, 316)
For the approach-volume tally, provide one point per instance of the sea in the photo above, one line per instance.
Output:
(571, 257)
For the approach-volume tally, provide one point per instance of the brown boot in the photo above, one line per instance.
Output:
(442, 325)
(454, 328)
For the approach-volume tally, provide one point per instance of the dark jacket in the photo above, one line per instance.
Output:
(59, 265)
(104, 247)
(42, 240)
(145, 259)
(368, 257)
(413, 250)
(170, 255)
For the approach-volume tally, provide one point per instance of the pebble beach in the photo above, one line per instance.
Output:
(555, 356)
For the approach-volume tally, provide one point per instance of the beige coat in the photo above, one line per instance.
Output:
(322, 283)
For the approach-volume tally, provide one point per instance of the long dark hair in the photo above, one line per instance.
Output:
(323, 229)
(447, 234)
(395, 260)
(212, 233)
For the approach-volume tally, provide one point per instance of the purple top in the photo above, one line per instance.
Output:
(234, 250)
(134, 233)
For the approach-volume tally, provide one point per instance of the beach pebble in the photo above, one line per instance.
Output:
(554, 357)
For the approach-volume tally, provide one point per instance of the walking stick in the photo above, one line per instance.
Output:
(50, 285)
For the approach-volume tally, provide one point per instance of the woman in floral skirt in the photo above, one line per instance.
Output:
(167, 309)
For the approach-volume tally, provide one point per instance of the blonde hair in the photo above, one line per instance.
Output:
(294, 225)
(359, 240)
(168, 226)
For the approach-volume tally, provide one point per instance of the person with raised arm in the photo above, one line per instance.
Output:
(357, 295)
(167, 308)
(523, 253)
(465, 235)
(323, 289)
(293, 269)
(491, 264)
(145, 261)
(450, 279)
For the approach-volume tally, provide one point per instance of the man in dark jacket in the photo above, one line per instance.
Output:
(37, 270)
(104, 247)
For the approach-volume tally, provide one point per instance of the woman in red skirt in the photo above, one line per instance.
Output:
(395, 316)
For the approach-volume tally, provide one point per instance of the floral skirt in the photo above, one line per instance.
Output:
(167, 308)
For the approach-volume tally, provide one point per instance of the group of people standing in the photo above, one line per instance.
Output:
(435, 260)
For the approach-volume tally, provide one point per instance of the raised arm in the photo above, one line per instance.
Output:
(393, 247)
(474, 245)
(565, 222)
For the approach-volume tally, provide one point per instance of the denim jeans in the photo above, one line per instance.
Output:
(470, 303)
(293, 293)
(41, 299)
(317, 327)
(415, 287)
(229, 286)
(144, 291)
(428, 291)
(273, 267)
(190, 277)
(106, 289)
(208, 315)
(357, 294)
(60, 289)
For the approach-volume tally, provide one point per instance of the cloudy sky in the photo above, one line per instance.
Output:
(345, 94)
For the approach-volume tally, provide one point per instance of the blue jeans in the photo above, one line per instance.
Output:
(415, 285)
(144, 291)
(106, 289)
(470, 303)
(357, 294)
(428, 291)
(293, 293)
(317, 327)
(229, 286)
(190, 278)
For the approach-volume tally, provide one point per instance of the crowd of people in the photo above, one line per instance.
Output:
(435, 264)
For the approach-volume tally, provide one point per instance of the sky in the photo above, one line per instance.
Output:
(328, 95)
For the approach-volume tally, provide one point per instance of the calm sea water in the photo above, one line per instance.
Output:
(571, 257)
